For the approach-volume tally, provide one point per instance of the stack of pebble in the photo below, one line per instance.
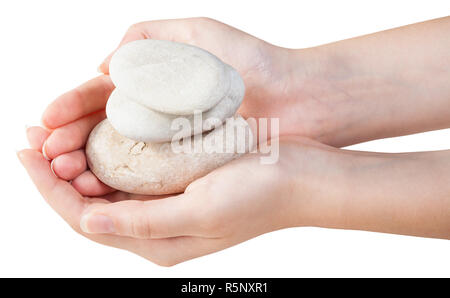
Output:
(156, 83)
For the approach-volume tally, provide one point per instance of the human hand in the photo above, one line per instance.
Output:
(215, 212)
(273, 76)
(339, 94)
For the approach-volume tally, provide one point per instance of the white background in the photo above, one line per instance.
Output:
(48, 47)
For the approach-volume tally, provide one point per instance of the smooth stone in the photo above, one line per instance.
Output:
(154, 168)
(138, 122)
(170, 77)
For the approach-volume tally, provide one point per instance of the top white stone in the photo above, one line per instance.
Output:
(169, 77)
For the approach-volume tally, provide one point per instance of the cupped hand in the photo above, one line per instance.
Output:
(206, 218)
(215, 212)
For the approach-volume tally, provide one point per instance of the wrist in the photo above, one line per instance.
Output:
(332, 96)
(316, 178)
(319, 104)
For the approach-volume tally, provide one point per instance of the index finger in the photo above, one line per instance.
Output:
(79, 102)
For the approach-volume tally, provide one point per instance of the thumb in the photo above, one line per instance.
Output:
(135, 32)
(163, 218)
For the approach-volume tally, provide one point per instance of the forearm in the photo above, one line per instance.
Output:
(386, 84)
(405, 194)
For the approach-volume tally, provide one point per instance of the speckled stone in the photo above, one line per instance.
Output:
(154, 168)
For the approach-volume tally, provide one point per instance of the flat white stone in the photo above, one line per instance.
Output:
(170, 77)
(138, 122)
(154, 168)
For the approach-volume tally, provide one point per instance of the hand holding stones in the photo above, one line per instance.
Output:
(157, 82)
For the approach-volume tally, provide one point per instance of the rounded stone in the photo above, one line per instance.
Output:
(138, 122)
(162, 168)
(170, 77)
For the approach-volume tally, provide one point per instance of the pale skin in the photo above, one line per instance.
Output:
(386, 84)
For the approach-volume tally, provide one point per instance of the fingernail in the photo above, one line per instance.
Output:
(27, 126)
(97, 224)
(51, 168)
(26, 133)
(44, 153)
